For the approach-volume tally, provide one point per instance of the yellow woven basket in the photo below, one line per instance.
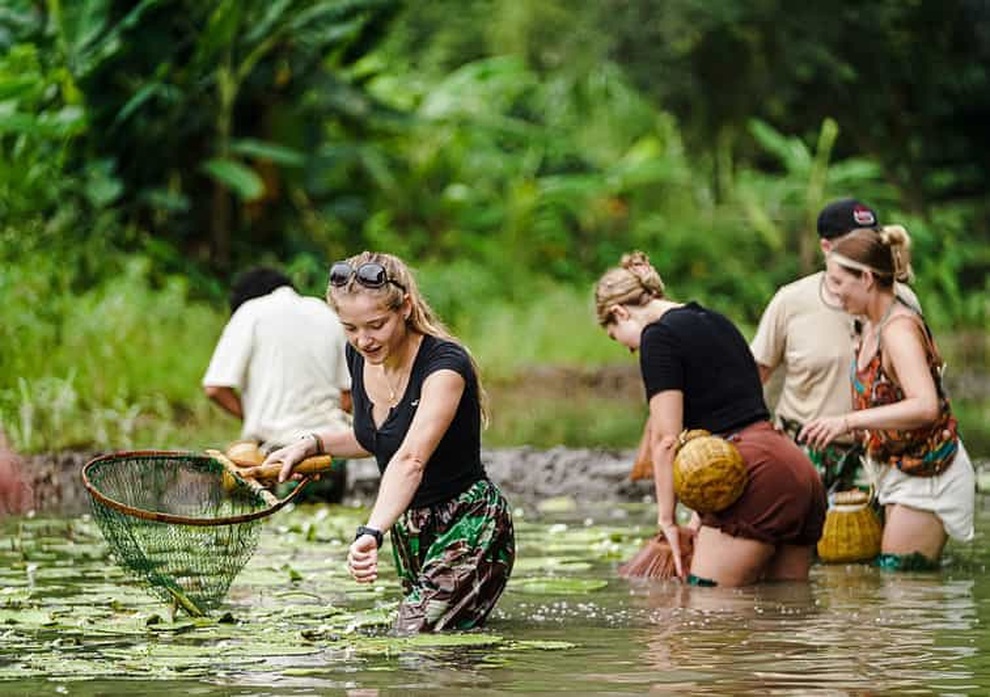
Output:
(852, 530)
(709, 472)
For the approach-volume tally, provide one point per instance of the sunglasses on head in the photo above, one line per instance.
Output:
(370, 274)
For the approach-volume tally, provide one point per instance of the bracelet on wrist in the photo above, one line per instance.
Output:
(318, 442)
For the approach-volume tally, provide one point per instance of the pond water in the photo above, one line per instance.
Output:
(72, 623)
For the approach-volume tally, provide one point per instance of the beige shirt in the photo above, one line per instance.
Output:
(284, 353)
(813, 344)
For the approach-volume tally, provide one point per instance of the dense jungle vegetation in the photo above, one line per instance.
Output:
(510, 149)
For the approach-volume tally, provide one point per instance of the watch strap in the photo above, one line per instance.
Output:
(374, 532)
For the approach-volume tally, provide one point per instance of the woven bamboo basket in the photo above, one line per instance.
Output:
(709, 472)
(852, 530)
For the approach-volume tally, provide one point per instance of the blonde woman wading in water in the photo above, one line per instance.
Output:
(418, 411)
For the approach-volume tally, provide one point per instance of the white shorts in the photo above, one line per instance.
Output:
(950, 495)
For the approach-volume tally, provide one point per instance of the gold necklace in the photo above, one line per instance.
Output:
(391, 390)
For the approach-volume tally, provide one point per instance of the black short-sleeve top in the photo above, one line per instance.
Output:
(701, 353)
(456, 463)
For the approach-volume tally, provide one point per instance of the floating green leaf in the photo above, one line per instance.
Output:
(554, 585)
(557, 504)
(548, 645)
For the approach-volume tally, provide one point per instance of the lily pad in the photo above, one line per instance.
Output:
(556, 564)
(389, 645)
(542, 645)
(557, 504)
(555, 585)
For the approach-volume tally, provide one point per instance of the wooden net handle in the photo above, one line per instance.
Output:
(232, 470)
(311, 465)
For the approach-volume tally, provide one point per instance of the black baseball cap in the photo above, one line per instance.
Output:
(845, 215)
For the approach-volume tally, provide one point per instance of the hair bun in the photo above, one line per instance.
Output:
(636, 259)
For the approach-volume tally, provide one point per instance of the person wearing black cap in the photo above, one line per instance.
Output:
(805, 334)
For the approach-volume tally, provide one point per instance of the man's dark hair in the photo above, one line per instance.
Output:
(255, 283)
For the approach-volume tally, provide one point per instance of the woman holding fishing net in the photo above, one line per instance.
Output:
(418, 408)
(700, 374)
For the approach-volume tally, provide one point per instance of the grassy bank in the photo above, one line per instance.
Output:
(118, 366)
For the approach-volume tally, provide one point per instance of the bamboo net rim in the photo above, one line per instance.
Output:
(161, 517)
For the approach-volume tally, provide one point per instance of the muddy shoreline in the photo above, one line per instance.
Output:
(526, 475)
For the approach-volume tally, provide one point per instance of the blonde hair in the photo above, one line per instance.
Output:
(422, 319)
(633, 282)
(885, 252)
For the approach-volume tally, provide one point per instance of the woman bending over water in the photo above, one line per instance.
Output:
(698, 372)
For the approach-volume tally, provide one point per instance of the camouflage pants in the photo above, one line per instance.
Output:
(454, 559)
(839, 464)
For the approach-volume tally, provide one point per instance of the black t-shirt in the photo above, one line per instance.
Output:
(703, 354)
(456, 463)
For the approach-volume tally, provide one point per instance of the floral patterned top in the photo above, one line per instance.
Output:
(923, 452)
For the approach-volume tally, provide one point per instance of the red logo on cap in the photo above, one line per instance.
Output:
(864, 216)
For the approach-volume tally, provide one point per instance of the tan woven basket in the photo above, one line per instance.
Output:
(852, 530)
(709, 472)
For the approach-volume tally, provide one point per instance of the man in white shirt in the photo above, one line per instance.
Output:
(279, 365)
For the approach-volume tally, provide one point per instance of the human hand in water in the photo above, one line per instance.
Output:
(672, 534)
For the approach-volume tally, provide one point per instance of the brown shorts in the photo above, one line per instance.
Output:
(784, 500)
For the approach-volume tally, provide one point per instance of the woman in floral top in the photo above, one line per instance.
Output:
(922, 473)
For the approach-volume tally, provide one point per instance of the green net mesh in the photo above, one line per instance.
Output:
(176, 522)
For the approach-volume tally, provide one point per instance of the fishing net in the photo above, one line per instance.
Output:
(178, 521)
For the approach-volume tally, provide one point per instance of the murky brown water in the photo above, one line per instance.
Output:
(72, 623)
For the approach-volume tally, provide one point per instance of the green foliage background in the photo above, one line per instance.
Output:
(510, 149)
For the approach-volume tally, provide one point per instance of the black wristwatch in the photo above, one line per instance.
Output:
(374, 532)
